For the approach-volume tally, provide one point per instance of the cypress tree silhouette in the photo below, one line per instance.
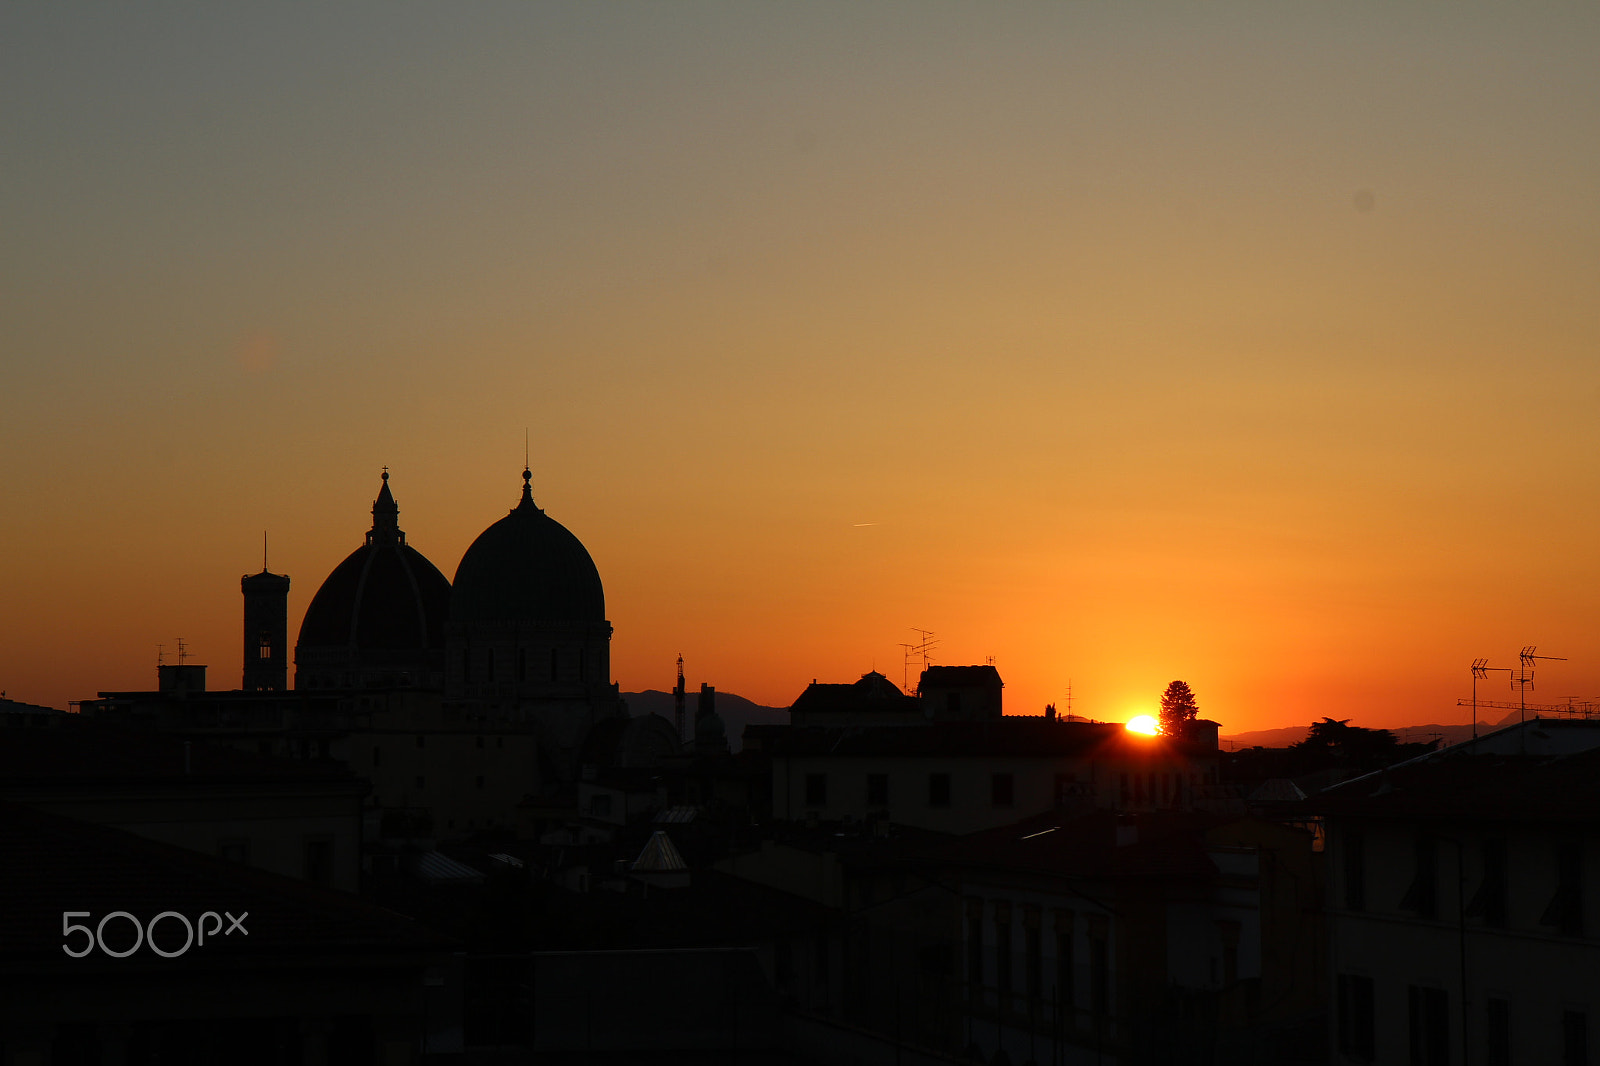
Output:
(1178, 710)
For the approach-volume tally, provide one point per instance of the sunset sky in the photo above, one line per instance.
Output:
(1256, 345)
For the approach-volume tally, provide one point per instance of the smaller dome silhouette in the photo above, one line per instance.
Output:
(384, 605)
(527, 567)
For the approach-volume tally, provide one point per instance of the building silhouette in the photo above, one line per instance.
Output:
(467, 705)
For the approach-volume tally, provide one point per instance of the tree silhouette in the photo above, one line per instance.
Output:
(1178, 710)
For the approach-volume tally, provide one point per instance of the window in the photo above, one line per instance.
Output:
(952, 704)
(1354, 846)
(1574, 1038)
(1064, 990)
(1032, 958)
(599, 804)
(1489, 902)
(1497, 1031)
(1228, 933)
(938, 790)
(265, 650)
(1066, 789)
(1429, 1026)
(422, 782)
(1422, 896)
(1565, 911)
(319, 861)
(1099, 976)
(1002, 946)
(975, 942)
(1001, 790)
(816, 790)
(783, 963)
(1355, 1017)
(877, 790)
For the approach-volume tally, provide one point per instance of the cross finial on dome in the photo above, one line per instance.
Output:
(385, 516)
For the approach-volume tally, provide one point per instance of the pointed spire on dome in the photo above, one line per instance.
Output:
(385, 517)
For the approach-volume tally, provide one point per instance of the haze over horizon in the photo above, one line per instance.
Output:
(1252, 346)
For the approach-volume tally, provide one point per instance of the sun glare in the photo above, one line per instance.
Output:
(1144, 723)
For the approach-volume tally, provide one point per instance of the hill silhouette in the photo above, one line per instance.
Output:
(736, 711)
(1454, 733)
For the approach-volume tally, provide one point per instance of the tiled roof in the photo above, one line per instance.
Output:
(1494, 787)
(1099, 844)
(872, 692)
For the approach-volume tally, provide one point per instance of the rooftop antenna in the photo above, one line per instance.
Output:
(1069, 697)
(1481, 668)
(161, 655)
(263, 551)
(1524, 679)
(183, 652)
(922, 648)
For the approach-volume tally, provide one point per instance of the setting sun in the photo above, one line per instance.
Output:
(1144, 723)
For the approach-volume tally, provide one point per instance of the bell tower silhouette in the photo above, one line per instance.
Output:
(266, 628)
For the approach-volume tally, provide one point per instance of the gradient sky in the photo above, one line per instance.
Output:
(1248, 344)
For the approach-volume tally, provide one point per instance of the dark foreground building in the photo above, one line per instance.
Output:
(119, 949)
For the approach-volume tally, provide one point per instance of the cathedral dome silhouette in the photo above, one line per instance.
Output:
(527, 567)
(380, 615)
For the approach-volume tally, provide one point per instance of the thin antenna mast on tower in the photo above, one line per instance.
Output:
(678, 700)
(263, 551)
(1524, 679)
(1481, 668)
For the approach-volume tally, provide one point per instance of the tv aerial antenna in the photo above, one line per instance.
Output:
(1524, 678)
(1481, 668)
(922, 648)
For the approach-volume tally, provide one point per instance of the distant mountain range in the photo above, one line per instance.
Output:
(736, 711)
(1454, 733)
